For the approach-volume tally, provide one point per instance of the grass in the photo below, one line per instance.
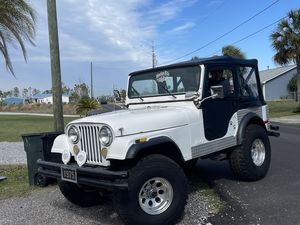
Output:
(198, 183)
(16, 184)
(13, 126)
(283, 108)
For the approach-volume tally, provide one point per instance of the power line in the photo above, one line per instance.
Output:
(250, 35)
(212, 13)
(225, 34)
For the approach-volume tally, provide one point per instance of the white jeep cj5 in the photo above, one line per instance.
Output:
(175, 114)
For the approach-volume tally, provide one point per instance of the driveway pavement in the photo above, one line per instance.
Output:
(272, 200)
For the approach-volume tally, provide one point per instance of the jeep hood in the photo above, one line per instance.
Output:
(134, 121)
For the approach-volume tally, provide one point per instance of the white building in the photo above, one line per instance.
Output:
(48, 98)
(275, 81)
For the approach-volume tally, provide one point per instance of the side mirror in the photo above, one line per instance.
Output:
(117, 95)
(217, 91)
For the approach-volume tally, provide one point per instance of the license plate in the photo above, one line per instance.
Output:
(69, 174)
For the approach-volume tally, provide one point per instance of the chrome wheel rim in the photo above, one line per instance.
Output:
(258, 152)
(156, 196)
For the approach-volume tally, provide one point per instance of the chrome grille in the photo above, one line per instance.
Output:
(90, 142)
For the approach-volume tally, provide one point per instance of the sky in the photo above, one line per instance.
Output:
(117, 36)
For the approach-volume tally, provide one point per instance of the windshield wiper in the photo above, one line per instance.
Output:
(166, 89)
(138, 94)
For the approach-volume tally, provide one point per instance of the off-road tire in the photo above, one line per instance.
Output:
(155, 166)
(241, 161)
(83, 197)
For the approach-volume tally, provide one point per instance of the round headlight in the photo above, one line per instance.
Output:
(105, 136)
(73, 134)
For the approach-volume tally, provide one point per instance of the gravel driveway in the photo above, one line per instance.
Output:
(47, 205)
(12, 153)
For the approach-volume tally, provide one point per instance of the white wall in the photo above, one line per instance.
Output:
(276, 89)
(49, 100)
(65, 99)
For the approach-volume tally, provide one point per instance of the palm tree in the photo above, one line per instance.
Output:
(17, 24)
(231, 50)
(286, 43)
(86, 104)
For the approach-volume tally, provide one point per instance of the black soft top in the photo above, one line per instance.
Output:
(205, 61)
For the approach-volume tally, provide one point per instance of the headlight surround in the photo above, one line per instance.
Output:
(74, 134)
(105, 136)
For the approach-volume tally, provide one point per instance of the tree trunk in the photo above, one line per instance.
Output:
(55, 66)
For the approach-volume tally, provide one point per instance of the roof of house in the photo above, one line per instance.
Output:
(14, 100)
(41, 96)
(270, 74)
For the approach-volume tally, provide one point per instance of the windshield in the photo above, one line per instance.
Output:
(164, 82)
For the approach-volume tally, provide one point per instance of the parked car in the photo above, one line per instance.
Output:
(207, 108)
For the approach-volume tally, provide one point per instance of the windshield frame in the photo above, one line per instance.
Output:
(166, 93)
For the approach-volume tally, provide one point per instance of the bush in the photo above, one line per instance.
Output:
(86, 104)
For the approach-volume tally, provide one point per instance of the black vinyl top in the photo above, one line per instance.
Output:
(206, 61)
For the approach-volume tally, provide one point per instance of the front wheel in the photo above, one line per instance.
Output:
(157, 193)
(251, 160)
(80, 196)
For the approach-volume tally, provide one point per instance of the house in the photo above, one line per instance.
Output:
(14, 101)
(274, 82)
(48, 98)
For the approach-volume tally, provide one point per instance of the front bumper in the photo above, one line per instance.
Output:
(97, 177)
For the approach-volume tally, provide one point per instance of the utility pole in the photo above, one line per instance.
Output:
(154, 61)
(55, 66)
(92, 91)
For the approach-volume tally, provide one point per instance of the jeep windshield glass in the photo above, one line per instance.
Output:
(164, 82)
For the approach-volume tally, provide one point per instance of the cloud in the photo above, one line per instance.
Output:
(169, 10)
(107, 30)
(184, 27)
(116, 35)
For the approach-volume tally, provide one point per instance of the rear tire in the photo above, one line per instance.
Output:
(156, 195)
(79, 196)
(251, 160)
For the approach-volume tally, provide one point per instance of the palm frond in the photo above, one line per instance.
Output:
(286, 39)
(86, 104)
(17, 25)
(233, 51)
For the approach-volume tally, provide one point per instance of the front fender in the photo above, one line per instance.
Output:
(61, 143)
(137, 148)
(126, 147)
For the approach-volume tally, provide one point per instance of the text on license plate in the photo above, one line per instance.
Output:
(69, 174)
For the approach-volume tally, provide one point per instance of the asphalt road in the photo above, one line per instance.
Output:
(272, 200)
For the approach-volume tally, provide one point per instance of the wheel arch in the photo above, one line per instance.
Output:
(159, 145)
(250, 118)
